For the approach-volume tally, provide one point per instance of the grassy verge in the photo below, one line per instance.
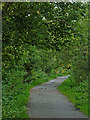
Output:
(15, 101)
(78, 95)
(23, 96)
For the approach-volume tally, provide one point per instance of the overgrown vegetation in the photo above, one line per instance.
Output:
(41, 40)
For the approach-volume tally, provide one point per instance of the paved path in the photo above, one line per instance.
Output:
(47, 102)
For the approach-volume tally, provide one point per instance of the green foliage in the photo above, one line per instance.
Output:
(79, 69)
(40, 40)
(34, 67)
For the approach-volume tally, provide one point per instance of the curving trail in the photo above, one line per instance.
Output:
(47, 102)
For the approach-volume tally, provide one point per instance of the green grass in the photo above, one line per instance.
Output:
(78, 95)
(15, 104)
(23, 96)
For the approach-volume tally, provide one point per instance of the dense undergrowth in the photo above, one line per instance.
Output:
(17, 99)
(34, 67)
(76, 94)
(41, 41)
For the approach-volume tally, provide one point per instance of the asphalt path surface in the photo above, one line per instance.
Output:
(47, 102)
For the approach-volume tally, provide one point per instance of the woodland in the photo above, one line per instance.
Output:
(40, 41)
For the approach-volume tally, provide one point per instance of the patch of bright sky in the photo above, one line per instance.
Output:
(43, 18)
(71, 1)
(28, 14)
(78, 1)
(56, 7)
